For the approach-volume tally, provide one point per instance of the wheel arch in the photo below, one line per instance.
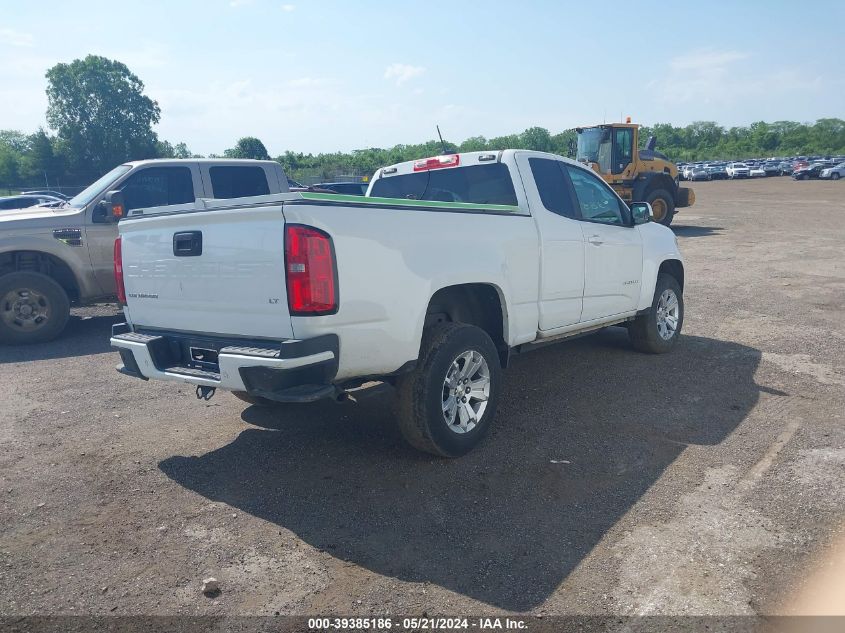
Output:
(480, 304)
(674, 268)
(670, 265)
(44, 263)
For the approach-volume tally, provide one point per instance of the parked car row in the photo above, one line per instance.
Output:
(800, 167)
(823, 170)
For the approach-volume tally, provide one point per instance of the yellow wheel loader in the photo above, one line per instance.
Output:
(637, 175)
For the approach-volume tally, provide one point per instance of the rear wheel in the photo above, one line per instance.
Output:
(447, 404)
(662, 206)
(33, 308)
(658, 330)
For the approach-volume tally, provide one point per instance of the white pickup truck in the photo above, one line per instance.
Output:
(447, 267)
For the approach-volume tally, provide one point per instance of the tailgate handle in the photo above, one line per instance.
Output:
(187, 244)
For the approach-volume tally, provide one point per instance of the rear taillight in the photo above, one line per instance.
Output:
(437, 162)
(310, 271)
(118, 272)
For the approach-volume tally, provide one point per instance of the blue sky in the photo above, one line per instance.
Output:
(315, 76)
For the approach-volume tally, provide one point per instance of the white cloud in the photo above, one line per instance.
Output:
(703, 76)
(307, 82)
(15, 38)
(706, 60)
(140, 56)
(288, 7)
(400, 73)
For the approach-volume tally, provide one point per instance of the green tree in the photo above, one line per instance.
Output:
(101, 114)
(473, 144)
(248, 147)
(14, 140)
(41, 164)
(537, 139)
(180, 150)
(8, 166)
(563, 144)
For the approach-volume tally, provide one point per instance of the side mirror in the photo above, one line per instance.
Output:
(641, 212)
(110, 209)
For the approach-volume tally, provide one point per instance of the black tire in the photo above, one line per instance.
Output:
(665, 214)
(643, 331)
(834, 176)
(37, 294)
(421, 419)
(258, 401)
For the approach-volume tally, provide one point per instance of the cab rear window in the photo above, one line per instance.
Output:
(238, 181)
(476, 184)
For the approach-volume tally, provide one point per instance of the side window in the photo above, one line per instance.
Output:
(238, 181)
(551, 184)
(624, 149)
(598, 202)
(158, 187)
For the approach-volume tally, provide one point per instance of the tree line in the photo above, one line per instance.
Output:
(98, 116)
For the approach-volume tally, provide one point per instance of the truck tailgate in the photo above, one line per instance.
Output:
(218, 272)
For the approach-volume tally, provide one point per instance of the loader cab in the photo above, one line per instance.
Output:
(609, 147)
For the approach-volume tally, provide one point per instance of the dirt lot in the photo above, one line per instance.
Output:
(707, 481)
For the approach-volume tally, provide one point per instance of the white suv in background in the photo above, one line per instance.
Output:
(738, 170)
(833, 173)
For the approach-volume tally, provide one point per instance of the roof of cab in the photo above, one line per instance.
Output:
(216, 161)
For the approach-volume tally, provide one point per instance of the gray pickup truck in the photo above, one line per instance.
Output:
(51, 259)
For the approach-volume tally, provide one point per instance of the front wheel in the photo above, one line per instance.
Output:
(33, 308)
(662, 206)
(447, 404)
(657, 331)
(834, 176)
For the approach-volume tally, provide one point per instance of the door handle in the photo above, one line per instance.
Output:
(187, 244)
(595, 240)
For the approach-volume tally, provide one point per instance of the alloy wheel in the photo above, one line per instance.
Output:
(668, 313)
(466, 390)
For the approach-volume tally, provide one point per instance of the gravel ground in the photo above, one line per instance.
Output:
(706, 481)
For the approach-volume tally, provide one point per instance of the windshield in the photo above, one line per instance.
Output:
(98, 187)
(594, 146)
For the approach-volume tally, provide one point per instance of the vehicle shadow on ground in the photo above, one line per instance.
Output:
(83, 335)
(584, 429)
(696, 231)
